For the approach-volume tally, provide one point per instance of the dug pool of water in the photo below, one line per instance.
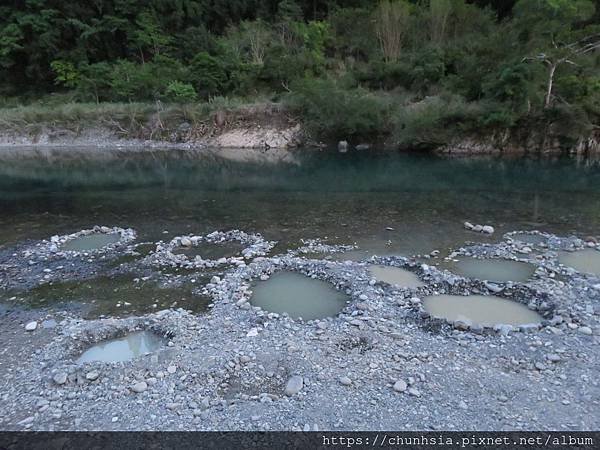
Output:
(587, 260)
(395, 276)
(298, 296)
(499, 270)
(89, 242)
(117, 295)
(483, 310)
(123, 349)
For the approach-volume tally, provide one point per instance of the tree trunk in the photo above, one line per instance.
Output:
(550, 83)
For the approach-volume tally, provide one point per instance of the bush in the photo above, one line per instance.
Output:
(208, 75)
(333, 113)
(434, 121)
(180, 92)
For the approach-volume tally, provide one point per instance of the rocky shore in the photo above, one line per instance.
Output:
(382, 363)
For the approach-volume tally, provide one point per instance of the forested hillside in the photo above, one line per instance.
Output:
(417, 72)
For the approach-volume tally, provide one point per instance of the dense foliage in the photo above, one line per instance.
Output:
(417, 70)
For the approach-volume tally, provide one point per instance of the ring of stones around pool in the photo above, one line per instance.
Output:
(442, 282)
(60, 356)
(52, 247)
(551, 248)
(255, 244)
(316, 246)
(235, 289)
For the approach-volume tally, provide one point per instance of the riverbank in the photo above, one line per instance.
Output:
(250, 126)
(260, 125)
(237, 367)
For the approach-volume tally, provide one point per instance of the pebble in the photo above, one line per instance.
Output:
(92, 376)
(139, 387)
(414, 392)
(585, 330)
(553, 357)
(400, 386)
(294, 385)
(31, 326)
(60, 378)
(345, 381)
(172, 369)
(487, 229)
(463, 405)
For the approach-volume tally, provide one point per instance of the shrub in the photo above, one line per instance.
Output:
(208, 75)
(333, 113)
(434, 121)
(180, 92)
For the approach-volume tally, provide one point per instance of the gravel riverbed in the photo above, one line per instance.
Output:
(382, 363)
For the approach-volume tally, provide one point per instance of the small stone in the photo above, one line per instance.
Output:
(31, 326)
(400, 386)
(345, 381)
(463, 405)
(477, 228)
(172, 369)
(468, 225)
(186, 242)
(294, 385)
(60, 378)
(139, 387)
(585, 330)
(553, 357)
(215, 279)
(172, 406)
(487, 229)
(253, 332)
(414, 392)
(92, 376)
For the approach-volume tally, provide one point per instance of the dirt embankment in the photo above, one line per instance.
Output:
(520, 142)
(254, 126)
(264, 125)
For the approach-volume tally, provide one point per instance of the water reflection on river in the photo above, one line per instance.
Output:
(386, 203)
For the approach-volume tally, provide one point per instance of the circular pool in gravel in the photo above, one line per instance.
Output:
(89, 242)
(587, 260)
(483, 310)
(499, 270)
(395, 276)
(123, 349)
(298, 296)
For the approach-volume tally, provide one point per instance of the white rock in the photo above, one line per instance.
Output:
(487, 229)
(92, 376)
(345, 381)
(172, 369)
(186, 242)
(585, 330)
(139, 387)
(60, 378)
(469, 225)
(294, 385)
(253, 332)
(400, 386)
(31, 326)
